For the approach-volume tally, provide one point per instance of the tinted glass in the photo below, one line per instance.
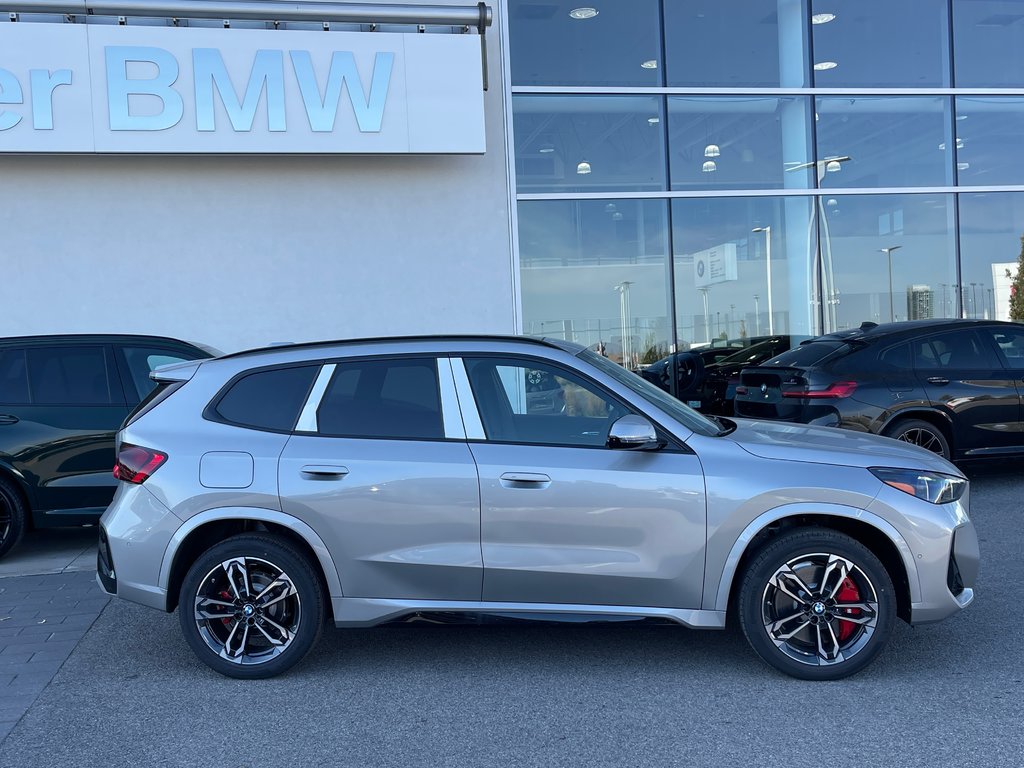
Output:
(988, 130)
(740, 142)
(268, 399)
(533, 402)
(737, 43)
(987, 41)
(955, 350)
(896, 358)
(589, 143)
(901, 43)
(13, 377)
(561, 42)
(383, 399)
(991, 227)
(1010, 342)
(884, 141)
(142, 360)
(69, 376)
(806, 354)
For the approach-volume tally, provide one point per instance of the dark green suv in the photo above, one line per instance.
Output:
(62, 398)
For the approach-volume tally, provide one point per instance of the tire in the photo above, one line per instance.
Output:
(249, 628)
(13, 516)
(807, 638)
(921, 433)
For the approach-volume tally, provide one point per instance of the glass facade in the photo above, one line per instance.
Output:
(696, 172)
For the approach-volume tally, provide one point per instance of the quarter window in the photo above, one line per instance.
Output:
(1011, 346)
(269, 399)
(142, 360)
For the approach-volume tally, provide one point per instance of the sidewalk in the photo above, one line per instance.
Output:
(48, 601)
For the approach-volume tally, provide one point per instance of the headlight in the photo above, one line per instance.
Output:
(933, 487)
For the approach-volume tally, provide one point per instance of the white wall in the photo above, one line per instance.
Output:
(244, 251)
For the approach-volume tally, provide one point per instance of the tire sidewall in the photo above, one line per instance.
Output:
(905, 425)
(805, 542)
(11, 499)
(283, 556)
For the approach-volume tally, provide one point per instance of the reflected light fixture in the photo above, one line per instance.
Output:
(709, 167)
(962, 166)
(833, 166)
(653, 120)
(822, 18)
(617, 216)
(649, 64)
(961, 117)
(583, 13)
(546, 149)
(583, 167)
(609, 208)
(712, 150)
(821, 66)
(831, 202)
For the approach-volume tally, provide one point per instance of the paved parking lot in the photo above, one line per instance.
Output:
(131, 692)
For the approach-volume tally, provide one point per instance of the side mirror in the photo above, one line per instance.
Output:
(633, 433)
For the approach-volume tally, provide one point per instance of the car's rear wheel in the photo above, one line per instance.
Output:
(251, 606)
(13, 517)
(922, 433)
(817, 604)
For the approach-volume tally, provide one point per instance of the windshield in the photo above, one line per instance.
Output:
(681, 413)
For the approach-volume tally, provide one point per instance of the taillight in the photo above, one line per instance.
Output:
(838, 389)
(135, 464)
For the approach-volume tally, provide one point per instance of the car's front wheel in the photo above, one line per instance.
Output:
(251, 606)
(817, 604)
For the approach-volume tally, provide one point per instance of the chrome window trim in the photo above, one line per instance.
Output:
(467, 402)
(824, 192)
(307, 416)
(450, 411)
(639, 90)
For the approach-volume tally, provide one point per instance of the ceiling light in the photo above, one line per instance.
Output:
(653, 120)
(583, 13)
(822, 18)
(583, 167)
(649, 64)
(709, 167)
(831, 202)
(617, 216)
(712, 150)
(961, 117)
(962, 166)
(609, 208)
(833, 166)
(546, 149)
(959, 143)
(821, 66)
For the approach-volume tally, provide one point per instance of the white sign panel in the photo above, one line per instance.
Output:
(96, 88)
(715, 265)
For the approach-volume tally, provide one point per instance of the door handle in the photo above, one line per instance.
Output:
(525, 480)
(324, 472)
(6, 418)
(937, 380)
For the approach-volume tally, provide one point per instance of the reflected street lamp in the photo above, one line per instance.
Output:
(768, 260)
(888, 252)
(757, 315)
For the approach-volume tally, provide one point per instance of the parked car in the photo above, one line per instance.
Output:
(62, 398)
(951, 386)
(709, 387)
(381, 480)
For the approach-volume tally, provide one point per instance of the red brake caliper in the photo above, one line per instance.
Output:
(848, 593)
(227, 596)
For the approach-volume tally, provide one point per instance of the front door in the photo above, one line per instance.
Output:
(566, 520)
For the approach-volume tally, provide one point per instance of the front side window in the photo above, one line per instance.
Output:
(68, 376)
(396, 399)
(536, 403)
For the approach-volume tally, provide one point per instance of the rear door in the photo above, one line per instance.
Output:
(1009, 344)
(61, 433)
(962, 375)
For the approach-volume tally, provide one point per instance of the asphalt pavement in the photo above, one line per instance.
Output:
(131, 693)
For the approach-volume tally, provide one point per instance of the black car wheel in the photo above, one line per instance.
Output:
(251, 606)
(920, 433)
(817, 604)
(13, 517)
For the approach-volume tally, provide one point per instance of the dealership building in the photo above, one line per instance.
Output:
(635, 175)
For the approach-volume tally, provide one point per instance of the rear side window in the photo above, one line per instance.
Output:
(1011, 345)
(895, 358)
(965, 350)
(142, 360)
(269, 399)
(384, 399)
(13, 377)
(68, 376)
(806, 355)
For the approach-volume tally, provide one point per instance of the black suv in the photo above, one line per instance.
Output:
(952, 386)
(62, 398)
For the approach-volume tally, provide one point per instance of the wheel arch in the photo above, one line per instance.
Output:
(935, 417)
(877, 534)
(202, 531)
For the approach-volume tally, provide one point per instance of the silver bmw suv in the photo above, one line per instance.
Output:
(362, 482)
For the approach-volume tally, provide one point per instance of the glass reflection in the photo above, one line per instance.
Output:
(748, 43)
(987, 43)
(988, 131)
(589, 143)
(561, 42)
(888, 258)
(884, 141)
(991, 232)
(880, 45)
(739, 142)
(596, 272)
(744, 268)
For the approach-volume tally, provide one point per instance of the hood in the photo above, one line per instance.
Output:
(828, 445)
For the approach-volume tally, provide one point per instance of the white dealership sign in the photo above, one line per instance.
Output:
(96, 88)
(715, 265)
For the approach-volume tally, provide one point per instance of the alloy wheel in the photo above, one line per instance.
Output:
(922, 437)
